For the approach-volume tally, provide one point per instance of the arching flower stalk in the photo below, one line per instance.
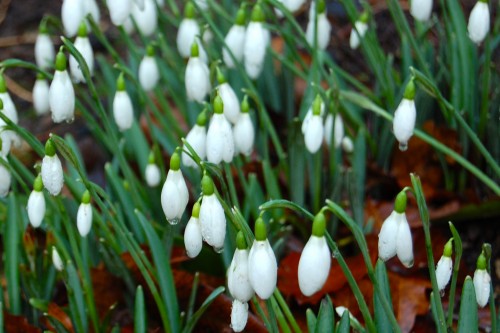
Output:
(192, 234)
(61, 92)
(36, 203)
(212, 218)
(312, 127)
(174, 194)
(52, 172)
(123, 111)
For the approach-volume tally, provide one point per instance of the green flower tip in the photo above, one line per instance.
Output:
(257, 14)
(82, 29)
(196, 209)
(483, 1)
(448, 248)
(317, 105)
(60, 61)
(410, 90)
(150, 51)
(3, 85)
(202, 118)
(42, 28)
(86, 197)
(50, 148)
(245, 107)
(38, 184)
(40, 76)
(240, 241)
(319, 225)
(220, 77)
(364, 17)
(320, 6)
(400, 202)
(218, 105)
(151, 157)
(240, 17)
(260, 230)
(207, 185)
(189, 10)
(481, 262)
(175, 161)
(195, 52)
(120, 82)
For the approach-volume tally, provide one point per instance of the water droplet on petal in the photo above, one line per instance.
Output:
(403, 146)
(173, 221)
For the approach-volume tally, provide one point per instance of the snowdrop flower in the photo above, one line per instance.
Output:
(196, 138)
(197, 77)
(91, 7)
(238, 281)
(202, 4)
(188, 30)
(347, 144)
(359, 31)
(336, 124)
(119, 10)
(313, 131)
(262, 266)
(5, 178)
(5, 136)
(239, 315)
(72, 14)
(479, 21)
(231, 103)
(9, 108)
(309, 115)
(421, 10)
(52, 172)
(84, 215)
(235, 40)
(444, 266)
(174, 194)
(61, 93)
(192, 233)
(123, 111)
(36, 203)
(146, 19)
(220, 142)
(56, 259)
(149, 74)
(257, 38)
(44, 49)
(293, 5)
(323, 25)
(395, 235)
(404, 117)
(315, 260)
(152, 172)
(41, 95)
(243, 131)
(140, 4)
(482, 281)
(212, 218)
(82, 44)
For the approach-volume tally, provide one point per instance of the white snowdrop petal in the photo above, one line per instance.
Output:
(239, 315)
(152, 175)
(314, 134)
(213, 221)
(188, 30)
(356, 36)
(347, 144)
(5, 180)
(254, 48)
(421, 9)
(82, 44)
(9, 108)
(174, 196)
(140, 4)
(52, 174)
(202, 4)
(148, 73)
(443, 271)
(314, 265)
(192, 237)
(482, 285)
(6, 137)
(92, 8)
(404, 121)
(123, 111)
(36, 208)
(56, 260)
(387, 237)
(62, 97)
(262, 269)
(479, 22)
(72, 14)
(220, 142)
(197, 139)
(235, 40)
(231, 103)
(44, 51)
(323, 34)
(41, 96)
(238, 282)
(84, 219)
(119, 10)
(244, 134)
(404, 243)
(146, 19)
(197, 79)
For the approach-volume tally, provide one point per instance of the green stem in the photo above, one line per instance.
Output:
(456, 266)
(289, 315)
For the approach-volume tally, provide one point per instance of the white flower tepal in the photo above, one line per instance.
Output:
(359, 31)
(238, 281)
(421, 10)
(197, 139)
(323, 26)
(72, 14)
(152, 175)
(147, 18)
(244, 131)
(188, 30)
(257, 38)
(5, 179)
(82, 44)
(123, 111)
(220, 143)
(119, 10)
(52, 172)
(231, 103)
(56, 259)
(197, 77)
(8, 106)
(61, 93)
(192, 233)
(405, 117)
(174, 194)
(239, 315)
(84, 215)
(479, 21)
(36, 204)
(41, 96)
(482, 281)
(149, 75)
(44, 49)
(212, 218)
(235, 41)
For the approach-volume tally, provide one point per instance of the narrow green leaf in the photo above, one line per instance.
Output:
(468, 318)
(326, 320)
(381, 319)
(139, 312)
(311, 320)
(13, 255)
(281, 203)
(194, 319)
(77, 303)
(344, 323)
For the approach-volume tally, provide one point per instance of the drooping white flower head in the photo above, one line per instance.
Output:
(479, 21)
(238, 282)
(337, 124)
(149, 75)
(395, 235)
(174, 194)
(323, 25)
(41, 95)
(52, 172)
(192, 234)
(315, 260)
(91, 7)
(405, 117)
(359, 31)
(146, 19)
(188, 30)
(5, 179)
(36, 204)
(61, 92)
(212, 218)
(444, 266)
(123, 111)
(220, 142)
(82, 44)
(84, 215)
(152, 173)
(235, 40)
(5, 136)
(197, 139)
(482, 281)
(140, 4)
(262, 265)
(72, 14)
(244, 131)
(257, 39)
(421, 10)
(197, 77)
(312, 127)
(9, 108)
(347, 144)
(231, 103)
(239, 315)
(44, 49)
(119, 10)
(56, 259)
